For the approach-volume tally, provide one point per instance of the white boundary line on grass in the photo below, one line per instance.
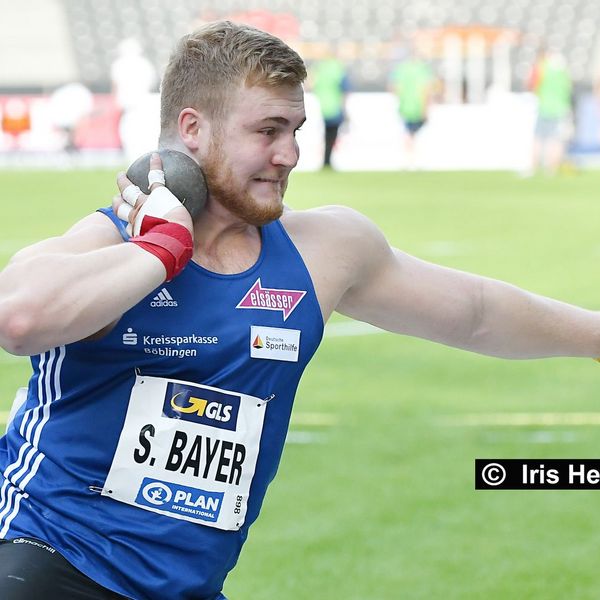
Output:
(553, 419)
(295, 436)
(314, 419)
(351, 328)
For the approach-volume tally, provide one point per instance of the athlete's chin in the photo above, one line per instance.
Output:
(267, 201)
(266, 205)
(263, 213)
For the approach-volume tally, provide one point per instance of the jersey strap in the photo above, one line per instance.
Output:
(119, 223)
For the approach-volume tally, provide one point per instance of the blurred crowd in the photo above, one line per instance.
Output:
(418, 78)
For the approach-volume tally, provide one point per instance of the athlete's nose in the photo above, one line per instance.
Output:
(287, 153)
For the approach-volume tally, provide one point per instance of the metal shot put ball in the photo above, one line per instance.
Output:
(183, 177)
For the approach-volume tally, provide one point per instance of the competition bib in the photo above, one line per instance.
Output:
(187, 451)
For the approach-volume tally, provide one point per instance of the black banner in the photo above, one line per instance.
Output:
(537, 474)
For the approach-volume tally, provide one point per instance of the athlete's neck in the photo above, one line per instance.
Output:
(223, 242)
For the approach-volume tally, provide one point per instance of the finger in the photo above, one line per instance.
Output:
(116, 201)
(124, 211)
(122, 181)
(131, 194)
(117, 207)
(156, 175)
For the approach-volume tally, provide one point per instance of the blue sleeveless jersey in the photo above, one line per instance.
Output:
(252, 334)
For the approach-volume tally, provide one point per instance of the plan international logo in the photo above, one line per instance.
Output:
(180, 499)
(258, 297)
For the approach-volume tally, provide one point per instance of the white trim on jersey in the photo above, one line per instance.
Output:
(18, 474)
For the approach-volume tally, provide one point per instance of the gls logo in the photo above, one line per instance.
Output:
(201, 405)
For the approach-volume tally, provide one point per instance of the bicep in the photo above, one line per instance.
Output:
(407, 295)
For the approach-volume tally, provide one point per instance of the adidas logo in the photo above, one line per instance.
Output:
(163, 298)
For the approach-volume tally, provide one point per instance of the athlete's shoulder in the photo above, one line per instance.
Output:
(342, 217)
(337, 243)
(333, 224)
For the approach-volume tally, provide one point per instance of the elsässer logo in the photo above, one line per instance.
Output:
(201, 405)
(258, 297)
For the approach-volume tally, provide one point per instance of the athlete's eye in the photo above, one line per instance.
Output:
(270, 131)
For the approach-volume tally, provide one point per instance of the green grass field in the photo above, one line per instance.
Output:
(375, 496)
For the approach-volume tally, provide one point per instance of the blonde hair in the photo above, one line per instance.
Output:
(209, 62)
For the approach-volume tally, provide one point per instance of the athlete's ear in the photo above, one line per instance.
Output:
(194, 129)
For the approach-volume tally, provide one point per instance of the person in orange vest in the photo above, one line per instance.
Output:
(16, 119)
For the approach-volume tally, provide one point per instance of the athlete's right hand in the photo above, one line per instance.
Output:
(159, 203)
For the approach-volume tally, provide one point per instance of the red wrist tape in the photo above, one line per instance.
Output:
(170, 242)
(149, 222)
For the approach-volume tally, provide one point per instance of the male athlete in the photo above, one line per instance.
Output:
(165, 363)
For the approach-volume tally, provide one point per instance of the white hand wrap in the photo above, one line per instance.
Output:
(131, 194)
(158, 204)
(123, 212)
(156, 176)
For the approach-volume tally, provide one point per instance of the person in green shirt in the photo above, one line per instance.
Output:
(330, 85)
(412, 82)
(551, 83)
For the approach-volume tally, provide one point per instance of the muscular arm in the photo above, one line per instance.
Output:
(66, 288)
(403, 294)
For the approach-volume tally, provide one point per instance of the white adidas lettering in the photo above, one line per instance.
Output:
(163, 300)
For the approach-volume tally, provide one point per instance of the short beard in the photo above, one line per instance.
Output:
(219, 178)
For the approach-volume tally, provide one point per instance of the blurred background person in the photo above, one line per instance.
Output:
(134, 78)
(69, 104)
(551, 83)
(330, 84)
(16, 121)
(412, 81)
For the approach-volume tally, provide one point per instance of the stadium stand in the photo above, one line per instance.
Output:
(368, 31)
(35, 46)
(479, 49)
